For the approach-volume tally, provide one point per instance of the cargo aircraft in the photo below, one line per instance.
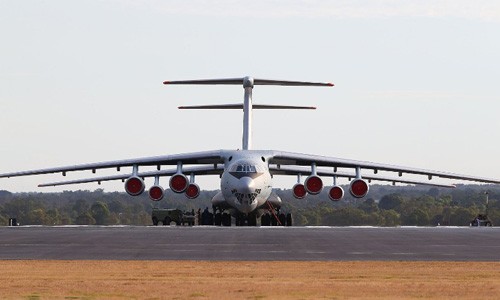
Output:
(246, 190)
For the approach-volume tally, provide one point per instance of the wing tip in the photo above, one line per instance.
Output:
(330, 84)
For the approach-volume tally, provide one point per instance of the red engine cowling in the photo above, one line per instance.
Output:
(336, 193)
(299, 191)
(359, 188)
(313, 184)
(156, 193)
(192, 191)
(178, 183)
(134, 186)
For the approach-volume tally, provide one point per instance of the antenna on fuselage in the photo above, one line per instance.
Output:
(247, 106)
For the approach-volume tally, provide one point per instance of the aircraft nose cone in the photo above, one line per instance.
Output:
(247, 185)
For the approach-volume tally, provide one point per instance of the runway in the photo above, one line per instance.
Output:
(240, 243)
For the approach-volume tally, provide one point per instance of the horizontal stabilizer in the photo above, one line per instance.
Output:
(249, 81)
(289, 83)
(240, 106)
(207, 81)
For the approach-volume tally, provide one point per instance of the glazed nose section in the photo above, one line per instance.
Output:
(247, 185)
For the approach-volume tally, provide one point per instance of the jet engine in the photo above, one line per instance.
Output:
(178, 183)
(156, 193)
(336, 193)
(192, 191)
(134, 186)
(299, 191)
(359, 188)
(313, 184)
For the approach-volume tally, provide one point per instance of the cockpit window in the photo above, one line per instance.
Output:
(244, 168)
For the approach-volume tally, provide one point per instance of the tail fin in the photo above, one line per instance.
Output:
(247, 106)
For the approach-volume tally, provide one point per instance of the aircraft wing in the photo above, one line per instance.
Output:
(289, 158)
(207, 157)
(296, 170)
(195, 170)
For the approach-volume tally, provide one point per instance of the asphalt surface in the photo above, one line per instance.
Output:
(240, 243)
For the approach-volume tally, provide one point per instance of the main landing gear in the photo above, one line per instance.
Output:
(221, 218)
(271, 218)
(246, 220)
(276, 219)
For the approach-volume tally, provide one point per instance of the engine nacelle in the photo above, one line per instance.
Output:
(336, 193)
(299, 191)
(359, 188)
(134, 186)
(313, 184)
(156, 193)
(192, 191)
(178, 183)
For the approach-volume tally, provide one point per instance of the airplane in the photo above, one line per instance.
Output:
(246, 189)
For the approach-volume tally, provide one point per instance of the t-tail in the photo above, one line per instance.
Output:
(247, 105)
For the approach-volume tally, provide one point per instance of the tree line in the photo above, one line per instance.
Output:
(384, 206)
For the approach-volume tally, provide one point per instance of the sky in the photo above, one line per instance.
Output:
(416, 82)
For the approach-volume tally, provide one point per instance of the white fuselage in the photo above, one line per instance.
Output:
(246, 181)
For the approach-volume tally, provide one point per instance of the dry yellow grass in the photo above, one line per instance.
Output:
(248, 280)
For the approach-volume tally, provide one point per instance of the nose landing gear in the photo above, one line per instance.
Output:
(246, 220)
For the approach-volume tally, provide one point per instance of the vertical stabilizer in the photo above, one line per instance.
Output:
(247, 113)
(248, 83)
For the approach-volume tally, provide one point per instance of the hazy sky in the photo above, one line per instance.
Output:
(416, 82)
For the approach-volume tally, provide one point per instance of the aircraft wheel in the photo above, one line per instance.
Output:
(226, 219)
(155, 221)
(218, 219)
(239, 220)
(282, 218)
(167, 221)
(264, 220)
(274, 222)
(252, 220)
(288, 219)
(268, 219)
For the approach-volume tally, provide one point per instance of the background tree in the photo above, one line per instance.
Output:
(391, 201)
(100, 212)
(417, 217)
(85, 219)
(387, 206)
(462, 216)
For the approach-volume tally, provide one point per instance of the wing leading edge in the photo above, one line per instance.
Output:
(289, 158)
(208, 157)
